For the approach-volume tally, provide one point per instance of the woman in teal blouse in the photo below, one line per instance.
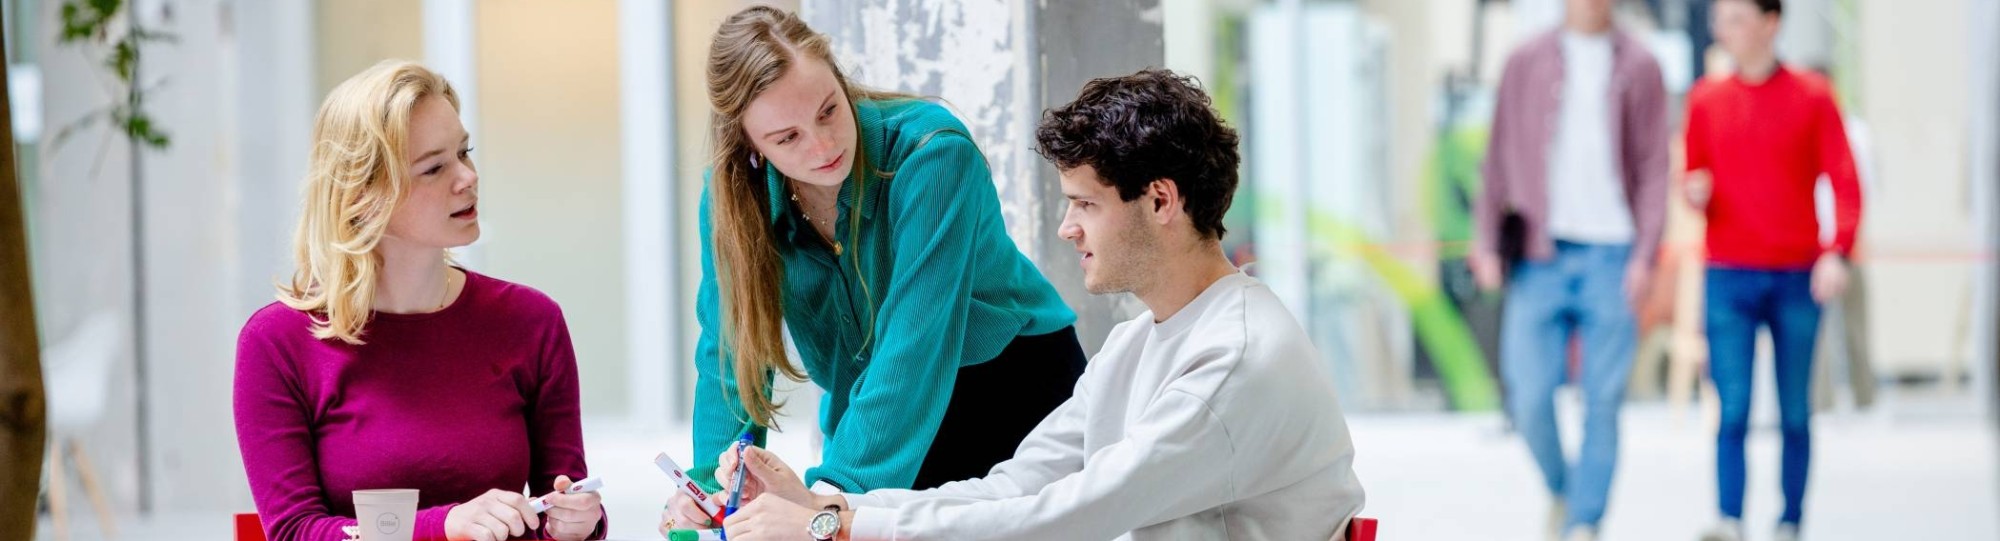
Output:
(868, 223)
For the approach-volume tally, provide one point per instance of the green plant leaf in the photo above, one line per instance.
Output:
(107, 7)
(147, 34)
(124, 58)
(90, 20)
(77, 25)
(140, 128)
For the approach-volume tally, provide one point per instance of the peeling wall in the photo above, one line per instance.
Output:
(971, 55)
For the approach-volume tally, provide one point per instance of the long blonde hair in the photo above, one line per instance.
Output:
(356, 179)
(751, 51)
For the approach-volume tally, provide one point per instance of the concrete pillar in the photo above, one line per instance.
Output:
(276, 98)
(219, 207)
(451, 47)
(1077, 42)
(1985, 188)
(264, 50)
(652, 315)
(79, 203)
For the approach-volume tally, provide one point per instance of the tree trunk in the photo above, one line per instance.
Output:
(22, 425)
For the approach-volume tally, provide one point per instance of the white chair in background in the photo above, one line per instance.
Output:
(77, 370)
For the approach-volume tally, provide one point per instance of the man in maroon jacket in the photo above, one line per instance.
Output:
(1576, 175)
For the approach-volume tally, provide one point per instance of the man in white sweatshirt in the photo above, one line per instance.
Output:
(1211, 416)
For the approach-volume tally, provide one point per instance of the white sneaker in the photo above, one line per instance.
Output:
(1582, 533)
(1558, 513)
(1787, 532)
(1727, 529)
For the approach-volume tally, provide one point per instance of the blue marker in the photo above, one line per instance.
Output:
(736, 491)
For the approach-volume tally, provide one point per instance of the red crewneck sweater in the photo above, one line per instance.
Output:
(1765, 145)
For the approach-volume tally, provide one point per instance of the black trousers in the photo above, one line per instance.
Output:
(996, 403)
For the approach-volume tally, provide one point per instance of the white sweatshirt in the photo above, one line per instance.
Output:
(1219, 423)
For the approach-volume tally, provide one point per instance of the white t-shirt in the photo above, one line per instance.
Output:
(1586, 194)
(1218, 423)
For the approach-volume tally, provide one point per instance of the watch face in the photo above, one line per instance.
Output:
(824, 525)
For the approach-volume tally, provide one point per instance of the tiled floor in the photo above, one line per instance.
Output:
(1449, 478)
(1912, 471)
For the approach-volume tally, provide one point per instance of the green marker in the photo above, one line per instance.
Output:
(694, 535)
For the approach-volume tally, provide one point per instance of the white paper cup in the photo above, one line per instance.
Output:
(386, 514)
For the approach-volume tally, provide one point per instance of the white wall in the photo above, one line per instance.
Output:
(550, 173)
(341, 49)
(694, 26)
(1807, 34)
(1918, 232)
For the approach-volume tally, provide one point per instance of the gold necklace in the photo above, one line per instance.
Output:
(830, 239)
(445, 297)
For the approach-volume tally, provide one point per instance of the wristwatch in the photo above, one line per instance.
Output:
(825, 524)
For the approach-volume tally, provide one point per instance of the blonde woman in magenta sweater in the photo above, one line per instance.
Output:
(384, 366)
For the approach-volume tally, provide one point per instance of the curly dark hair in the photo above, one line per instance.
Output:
(1147, 126)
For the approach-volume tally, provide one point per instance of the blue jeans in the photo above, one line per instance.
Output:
(1739, 302)
(1580, 292)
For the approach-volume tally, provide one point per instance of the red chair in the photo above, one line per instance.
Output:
(1361, 529)
(249, 528)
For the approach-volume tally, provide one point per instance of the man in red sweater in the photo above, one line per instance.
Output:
(1757, 142)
